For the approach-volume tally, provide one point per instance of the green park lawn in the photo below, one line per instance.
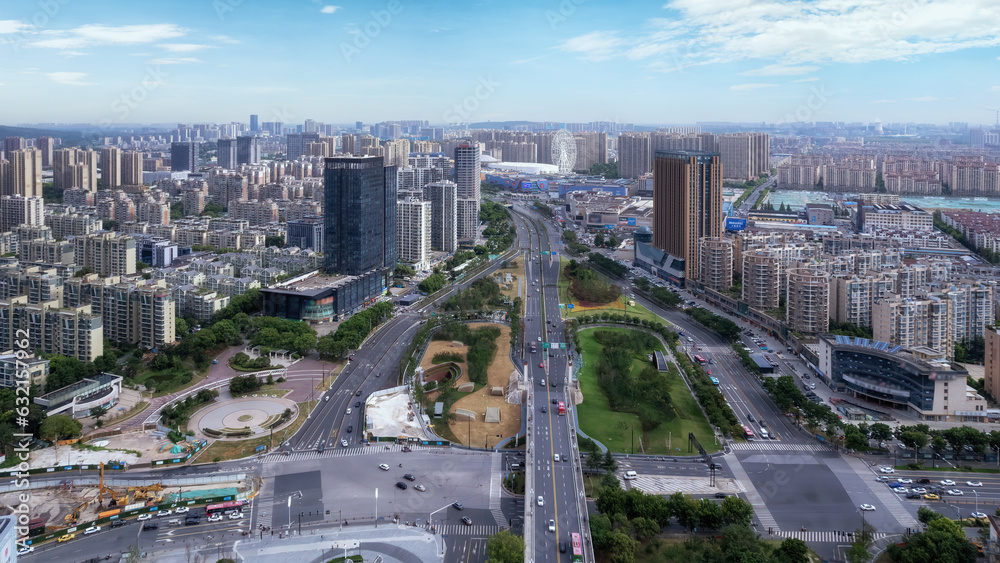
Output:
(620, 306)
(614, 429)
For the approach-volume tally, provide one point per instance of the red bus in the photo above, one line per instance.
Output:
(562, 408)
(747, 431)
(577, 548)
(699, 359)
(224, 507)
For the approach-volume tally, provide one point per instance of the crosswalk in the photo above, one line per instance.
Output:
(762, 445)
(331, 452)
(668, 485)
(495, 487)
(463, 530)
(820, 537)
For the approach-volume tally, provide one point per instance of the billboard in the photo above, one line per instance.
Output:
(631, 221)
(734, 224)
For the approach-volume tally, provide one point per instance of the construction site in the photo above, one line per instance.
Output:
(81, 499)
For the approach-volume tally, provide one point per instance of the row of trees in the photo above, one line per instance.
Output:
(711, 399)
(482, 293)
(482, 343)
(959, 439)
(352, 332)
(282, 334)
(587, 286)
(942, 541)
(719, 324)
(433, 283)
(788, 397)
(608, 265)
(500, 232)
(646, 394)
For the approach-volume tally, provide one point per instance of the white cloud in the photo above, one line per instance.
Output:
(923, 99)
(329, 9)
(882, 102)
(798, 33)
(526, 61)
(182, 47)
(994, 88)
(14, 26)
(781, 70)
(72, 53)
(174, 61)
(748, 87)
(596, 46)
(224, 39)
(95, 34)
(69, 78)
(813, 79)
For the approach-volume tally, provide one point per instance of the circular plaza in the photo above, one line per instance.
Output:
(238, 416)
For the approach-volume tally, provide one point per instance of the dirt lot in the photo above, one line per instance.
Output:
(483, 434)
(438, 346)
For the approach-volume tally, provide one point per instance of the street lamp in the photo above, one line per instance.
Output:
(376, 507)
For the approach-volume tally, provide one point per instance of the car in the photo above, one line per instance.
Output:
(555, 401)
(955, 492)
(358, 394)
(544, 409)
(552, 382)
(947, 483)
(350, 428)
(920, 490)
(384, 467)
(118, 523)
(163, 513)
(887, 469)
(721, 495)
(540, 501)
(192, 520)
(181, 510)
(144, 517)
(357, 404)
(905, 481)
(900, 489)
(91, 530)
(26, 550)
(750, 417)
(552, 525)
(236, 516)
(215, 518)
(974, 483)
(149, 526)
(562, 547)
(215, 361)
(348, 411)
(541, 365)
(542, 382)
(467, 521)
(882, 479)
(458, 506)
(321, 447)
(420, 488)
(539, 338)
(400, 485)
(912, 494)
(327, 398)
(762, 423)
(555, 457)
(709, 372)
(931, 496)
(974, 515)
(867, 507)
(924, 481)
(343, 443)
(409, 477)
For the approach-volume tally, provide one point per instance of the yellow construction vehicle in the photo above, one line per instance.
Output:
(74, 517)
(101, 490)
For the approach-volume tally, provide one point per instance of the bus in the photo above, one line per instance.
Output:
(747, 431)
(224, 507)
(715, 380)
(562, 408)
(699, 359)
(577, 548)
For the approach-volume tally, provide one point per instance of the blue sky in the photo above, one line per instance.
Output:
(674, 61)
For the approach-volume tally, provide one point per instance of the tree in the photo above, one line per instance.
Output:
(505, 547)
(864, 538)
(687, 511)
(140, 266)
(274, 240)
(59, 427)
(98, 412)
(737, 511)
(645, 528)
(880, 431)
(621, 547)
(594, 460)
(792, 550)
(610, 465)
(610, 480)
(710, 515)
(913, 439)
(181, 327)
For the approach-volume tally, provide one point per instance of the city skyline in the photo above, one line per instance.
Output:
(678, 62)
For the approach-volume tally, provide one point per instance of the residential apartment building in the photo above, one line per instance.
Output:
(443, 196)
(924, 321)
(106, 253)
(254, 212)
(73, 332)
(17, 210)
(716, 263)
(413, 223)
(808, 301)
(71, 224)
(468, 180)
(110, 165)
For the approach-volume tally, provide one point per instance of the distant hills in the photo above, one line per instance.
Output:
(69, 137)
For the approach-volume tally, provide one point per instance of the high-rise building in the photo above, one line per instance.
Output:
(22, 174)
(808, 301)
(305, 233)
(107, 253)
(359, 216)
(916, 321)
(413, 233)
(11, 144)
(184, 156)
(295, 144)
(444, 215)
(633, 154)
(111, 167)
(468, 180)
(74, 168)
(226, 156)
(716, 257)
(16, 210)
(761, 277)
(254, 123)
(992, 361)
(73, 332)
(348, 144)
(248, 150)
(46, 145)
(131, 168)
(687, 203)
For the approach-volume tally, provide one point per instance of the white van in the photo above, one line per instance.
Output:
(764, 434)
(629, 475)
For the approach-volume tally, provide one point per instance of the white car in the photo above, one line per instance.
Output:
(920, 490)
(164, 513)
(882, 479)
(181, 510)
(900, 490)
(236, 516)
(144, 517)
(974, 515)
(974, 483)
(384, 467)
(955, 492)
(947, 483)
(541, 501)
(552, 525)
(348, 411)
(26, 550)
(905, 481)
(420, 488)
(555, 457)
(343, 443)
(887, 469)
(91, 530)
(215, 518)
(867, 507)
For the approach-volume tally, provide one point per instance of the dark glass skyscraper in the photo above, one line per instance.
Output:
(183, 156)
(359, 231)
(687, 203)
(254, 124)
(247, 150)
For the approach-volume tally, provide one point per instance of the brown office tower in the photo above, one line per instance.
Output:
(687, 203)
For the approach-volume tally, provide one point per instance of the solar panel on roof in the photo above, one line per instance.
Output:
(841, 339)
(896, 349)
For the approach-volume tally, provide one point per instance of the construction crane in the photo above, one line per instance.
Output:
(101, 489)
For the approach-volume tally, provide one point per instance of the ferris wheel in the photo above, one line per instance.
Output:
(564, 151)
